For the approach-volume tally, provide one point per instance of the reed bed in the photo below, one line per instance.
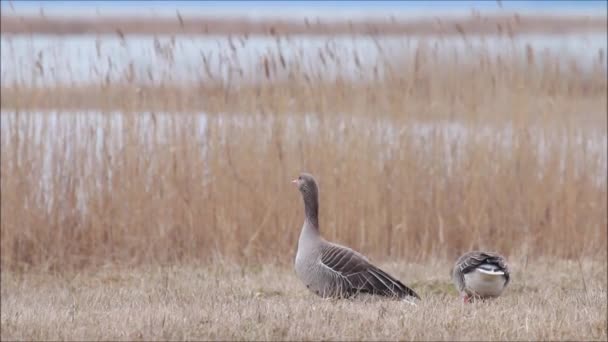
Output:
(127, 171)
(182, 23)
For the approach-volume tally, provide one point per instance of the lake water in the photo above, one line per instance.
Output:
(82, 59)
(71, 127)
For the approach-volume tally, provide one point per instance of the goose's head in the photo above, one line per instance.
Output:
(306, 183)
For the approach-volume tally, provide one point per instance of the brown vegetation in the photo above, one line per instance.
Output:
(162, 188)
(547, 301)
(510, 24)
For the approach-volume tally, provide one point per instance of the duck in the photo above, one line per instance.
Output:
(331, 270)
(480, 275)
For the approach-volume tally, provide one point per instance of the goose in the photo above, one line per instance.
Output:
(480, 275)
(334, 271)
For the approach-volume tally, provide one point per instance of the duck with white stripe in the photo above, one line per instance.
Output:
(480, 275)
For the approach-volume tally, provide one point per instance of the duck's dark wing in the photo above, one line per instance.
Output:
(468, 262)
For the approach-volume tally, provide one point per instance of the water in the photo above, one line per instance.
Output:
(81, 59)
(48, 60)
(69, 127)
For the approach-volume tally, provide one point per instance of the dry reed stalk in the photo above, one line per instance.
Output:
(454, 83)
(176, 197)
(160, 187)
(465, 25)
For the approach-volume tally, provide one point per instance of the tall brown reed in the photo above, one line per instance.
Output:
(164, 187)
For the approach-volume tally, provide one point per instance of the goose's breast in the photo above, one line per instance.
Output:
(315, 277)
(305, 266)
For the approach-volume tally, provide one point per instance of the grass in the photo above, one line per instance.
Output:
(171, 192)
(547, 300)
(145, 179)
(166, 200)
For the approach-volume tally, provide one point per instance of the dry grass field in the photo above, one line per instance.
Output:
(157, 211)
(547, 301)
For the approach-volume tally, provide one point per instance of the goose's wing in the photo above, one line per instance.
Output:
(468, 262)
(357, 274)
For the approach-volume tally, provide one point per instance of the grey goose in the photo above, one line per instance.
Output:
(480, 275)
(334, 271)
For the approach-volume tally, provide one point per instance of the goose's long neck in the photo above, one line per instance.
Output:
(311, 210)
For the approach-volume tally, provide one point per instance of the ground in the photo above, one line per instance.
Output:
(547, 300)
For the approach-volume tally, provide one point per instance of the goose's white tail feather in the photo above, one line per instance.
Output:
(410, 302)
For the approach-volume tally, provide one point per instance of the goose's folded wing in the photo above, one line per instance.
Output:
(359, 275)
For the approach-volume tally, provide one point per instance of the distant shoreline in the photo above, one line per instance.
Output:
(464, 25)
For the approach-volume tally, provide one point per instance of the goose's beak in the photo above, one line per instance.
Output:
(295, 181)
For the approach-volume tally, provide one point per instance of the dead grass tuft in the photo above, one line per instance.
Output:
(545, 301)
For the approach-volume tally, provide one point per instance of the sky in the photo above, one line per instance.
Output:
(278, 8)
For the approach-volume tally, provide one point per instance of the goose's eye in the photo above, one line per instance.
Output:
(300, 178)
